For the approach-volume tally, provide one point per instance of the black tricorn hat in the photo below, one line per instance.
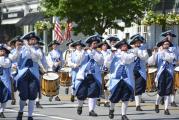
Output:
(168, 32)
(30, 35)
(2, 47)
(160, 43)
(79, 42)
(122, 42)
(93, 38)
(15, 39)
(53, 42)
(102, 43)
(70, 42)
(136, 37)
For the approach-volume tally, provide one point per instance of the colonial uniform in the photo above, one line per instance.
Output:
(5, 83)
(121, 79)
(66, 57)
(106, 54)
(175, 50)
(43, 67)
(164, 79)
(88, 78)
(139, 68)
(54, 60)
(14, 42)
(27, 78)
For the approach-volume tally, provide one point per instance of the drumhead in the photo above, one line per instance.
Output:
(152, 70)
(50, 76)
(65, 69)
(177, 69)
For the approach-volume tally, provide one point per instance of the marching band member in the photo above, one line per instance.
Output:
(88, 78)
(74, 61)
(66, 57)
(164, 79)
(140, 67)
(106, 54)
(5, 83)
(121, 84)
(16, 42)
(27, 78)
(54, 60)
(111, 40)
(169, 34)
(42, 69)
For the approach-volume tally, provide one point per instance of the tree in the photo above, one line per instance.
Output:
(93, 16)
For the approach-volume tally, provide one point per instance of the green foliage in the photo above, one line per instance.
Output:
(92, 16)
(161, 19)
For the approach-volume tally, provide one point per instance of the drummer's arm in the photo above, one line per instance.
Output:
(152, 59)
(49, 62)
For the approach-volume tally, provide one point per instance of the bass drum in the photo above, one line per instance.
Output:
(50, 84)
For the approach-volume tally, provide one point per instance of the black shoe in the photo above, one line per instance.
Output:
(13, 102)
(162, 101)
(57, 98)
(2, 115)
(157, 108)
(173, 104)
(106, 104)
(166, 112)
(111, 114)
(79, 110)
(138, 108)
(92, 113)
(66, 91)
(72, 98)
(38, 105)
(98, 102)
(20, 115)
(30, 118)
(50, 99)
(142, 101)
(124, 117)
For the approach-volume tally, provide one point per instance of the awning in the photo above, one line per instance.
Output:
(10, 21)
(30, 19)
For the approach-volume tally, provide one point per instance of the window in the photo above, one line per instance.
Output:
(115, 31)
(139, 29)
(145, 28)
(127, 36)
(110, 31)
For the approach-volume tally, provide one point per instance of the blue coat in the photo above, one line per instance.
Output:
(116, 72)
(5, 74)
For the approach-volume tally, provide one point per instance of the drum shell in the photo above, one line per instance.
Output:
(176, 80)
(64, 79)
(50, 88)
(150, 85)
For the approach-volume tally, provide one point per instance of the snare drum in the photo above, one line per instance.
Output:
(65, 79)
(50, 84)
(176, 78)
(151, 74)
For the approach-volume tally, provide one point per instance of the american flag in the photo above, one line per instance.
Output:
(57, 30)
(67, 35)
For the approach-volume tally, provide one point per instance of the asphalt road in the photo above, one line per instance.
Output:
(66, 110)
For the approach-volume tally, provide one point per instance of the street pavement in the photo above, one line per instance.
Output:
(66, 110)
